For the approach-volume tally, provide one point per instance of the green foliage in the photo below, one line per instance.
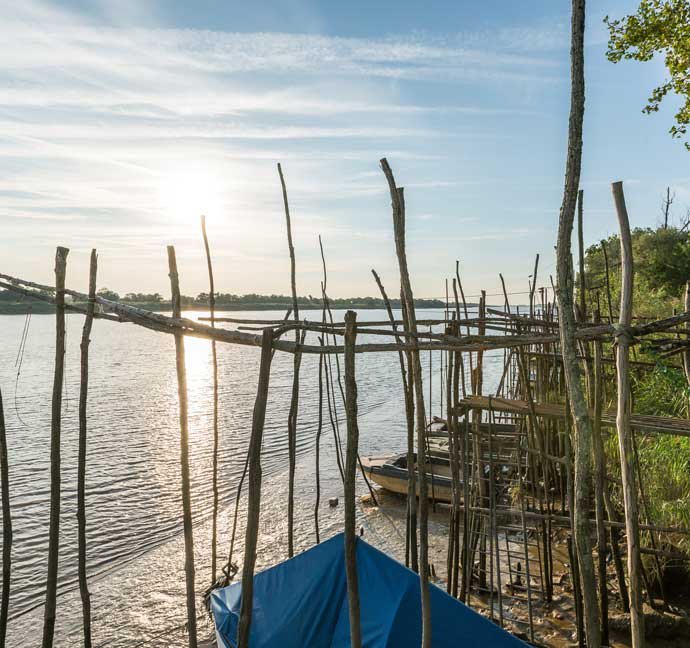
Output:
(143, 297)
(106, 293)
(664, 459)
(662, 266)
(658, 27)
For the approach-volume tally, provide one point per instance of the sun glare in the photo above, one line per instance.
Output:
(185, 192)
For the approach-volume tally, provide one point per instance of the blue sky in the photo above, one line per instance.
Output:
(121, 122)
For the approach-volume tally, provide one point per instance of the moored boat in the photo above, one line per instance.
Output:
(390, 472)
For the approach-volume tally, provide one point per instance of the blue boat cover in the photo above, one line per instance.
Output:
(303, 603)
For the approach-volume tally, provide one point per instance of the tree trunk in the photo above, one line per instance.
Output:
(566, 321)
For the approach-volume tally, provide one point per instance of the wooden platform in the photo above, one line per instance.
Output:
(648, 424)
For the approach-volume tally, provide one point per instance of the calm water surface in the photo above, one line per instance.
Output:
(135, 547)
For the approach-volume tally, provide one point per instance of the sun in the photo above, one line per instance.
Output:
(187, 190)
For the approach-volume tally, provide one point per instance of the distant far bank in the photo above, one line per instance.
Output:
(11, 305)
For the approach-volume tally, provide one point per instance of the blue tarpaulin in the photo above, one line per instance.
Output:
(303, 603)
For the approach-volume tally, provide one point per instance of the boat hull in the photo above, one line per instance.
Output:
(384, 472)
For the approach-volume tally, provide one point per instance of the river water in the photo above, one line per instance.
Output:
(135, 548)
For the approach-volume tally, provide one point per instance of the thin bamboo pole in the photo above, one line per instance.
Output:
(627, 456)
(350, 479)
(214, 356)
(55, 434)
(184, 452)
(81, 471)
(398, 204)
(294, 400)
(254, 500)
(6, 528)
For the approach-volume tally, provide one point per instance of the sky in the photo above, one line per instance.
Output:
(122, 121)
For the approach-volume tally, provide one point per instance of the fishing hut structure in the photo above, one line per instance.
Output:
(510, 452)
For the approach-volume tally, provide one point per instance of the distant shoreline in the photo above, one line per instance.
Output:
(39, 307)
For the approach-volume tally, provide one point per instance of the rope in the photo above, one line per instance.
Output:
(18, 363)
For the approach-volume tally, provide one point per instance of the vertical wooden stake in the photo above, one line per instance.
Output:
(686, 354)
(254, 497)
(411, 556)
(350, 477)
(184, 452)
(6, 528)
(581, 255)
(214, 354)
(625, 445)
(81, 471)
(398, 204)
(599, 486)
(294, 401)
(55, 434)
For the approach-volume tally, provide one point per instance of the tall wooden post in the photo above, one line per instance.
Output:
(55, 434)
(600, 486)
(294, 400)
(184, 452)
(214, 355)
(581, 255)
(566, 321)
(6, 528)
(686, 354)
(398, 205)
(411, 537)
(254, 496)
(625, 444)
(350, 479)
(81, 471)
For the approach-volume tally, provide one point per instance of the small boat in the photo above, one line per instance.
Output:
(304, 602)
(390, 472)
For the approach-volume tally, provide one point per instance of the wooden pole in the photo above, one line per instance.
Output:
(686, 355)
(625, 445)
(398, 204)
(214, 355)
(294, 401)
(6, 528)
(533, 287)
(350, 478)
(411, 556)
(609, 300)
(184, 452)
(566, 321)
(55, 434)
(581, 255)
(599, 487)
(254, 498)
(81, 471)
